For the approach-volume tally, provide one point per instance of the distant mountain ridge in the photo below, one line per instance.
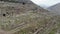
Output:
(55, 8)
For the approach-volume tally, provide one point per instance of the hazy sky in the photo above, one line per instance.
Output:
(46, 3)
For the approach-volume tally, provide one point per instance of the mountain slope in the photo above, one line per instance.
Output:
(7, 7)
(55, 8)
(28, 18)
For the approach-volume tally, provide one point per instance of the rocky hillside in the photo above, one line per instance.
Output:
(27, 18)
(18, 8)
